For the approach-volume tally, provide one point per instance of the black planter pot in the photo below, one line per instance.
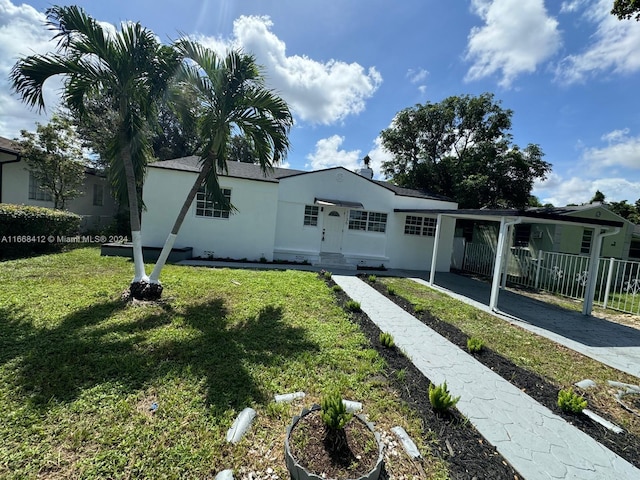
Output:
(298, 472)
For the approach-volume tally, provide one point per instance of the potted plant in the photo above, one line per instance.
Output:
(327, 442)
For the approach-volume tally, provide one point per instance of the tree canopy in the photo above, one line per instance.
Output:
(626, 9)
(462, 148)
(54, 157)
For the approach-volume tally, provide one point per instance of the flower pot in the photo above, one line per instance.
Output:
(299, 472)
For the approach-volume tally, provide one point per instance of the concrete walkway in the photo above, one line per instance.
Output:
(538, 443)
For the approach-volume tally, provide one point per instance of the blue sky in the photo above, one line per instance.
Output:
(568, 69)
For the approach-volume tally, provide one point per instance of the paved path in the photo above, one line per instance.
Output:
(538, 443)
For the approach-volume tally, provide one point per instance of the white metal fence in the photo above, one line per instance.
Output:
(617, 286)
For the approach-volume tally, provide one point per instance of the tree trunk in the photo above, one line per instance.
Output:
(171, 238)
(134, 217)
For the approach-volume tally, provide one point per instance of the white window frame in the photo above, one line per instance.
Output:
(203, 205)
(586, 242)
(36, 192)
(417, 225)
(363, 220)
(311, 214)
(98, 195)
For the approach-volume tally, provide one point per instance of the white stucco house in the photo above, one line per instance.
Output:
(325, 217)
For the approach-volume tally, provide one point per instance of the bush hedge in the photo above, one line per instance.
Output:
(25, 229)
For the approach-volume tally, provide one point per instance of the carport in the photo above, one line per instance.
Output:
(507, 219)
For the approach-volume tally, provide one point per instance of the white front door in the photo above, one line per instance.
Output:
(333, 225)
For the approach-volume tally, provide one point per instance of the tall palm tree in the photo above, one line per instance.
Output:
(232, 99)
(129, 69)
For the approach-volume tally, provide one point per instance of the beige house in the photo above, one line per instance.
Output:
(18, 186)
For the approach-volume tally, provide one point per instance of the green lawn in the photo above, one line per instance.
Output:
(79, 368)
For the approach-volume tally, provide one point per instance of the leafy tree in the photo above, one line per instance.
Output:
(626, 210)
(598, 197)
(54, 156)
(462, 148)
(242, 150)
(232, 99)
(626, 9)
(534, 201)
(130, 70)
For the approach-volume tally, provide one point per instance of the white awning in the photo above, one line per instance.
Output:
(337, 203)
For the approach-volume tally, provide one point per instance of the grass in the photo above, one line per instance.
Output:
(559, 364)
(79, 369)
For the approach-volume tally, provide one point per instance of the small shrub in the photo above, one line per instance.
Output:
(440, 397)
(333, 411)
(571, 402)
(474, 344)
(25, 229)
(337, 288)
(391, 290)
(353, 306)
(327, 275)
(386, 339)
(419, 309)
(401, 374)
(372, 278)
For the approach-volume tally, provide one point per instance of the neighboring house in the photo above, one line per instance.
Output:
(325, 217)
(567, 238)
(18, 186)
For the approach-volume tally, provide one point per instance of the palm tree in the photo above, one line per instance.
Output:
(232, 100)
(131, 71)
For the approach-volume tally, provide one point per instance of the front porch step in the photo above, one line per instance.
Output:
(334, 260)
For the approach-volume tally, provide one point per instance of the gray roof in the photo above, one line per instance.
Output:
(8, 146)
(249, 171)
(252, 171)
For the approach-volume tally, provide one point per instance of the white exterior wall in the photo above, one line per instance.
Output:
(247, 233)
(15, 189)
(295, 241)
(394, 249)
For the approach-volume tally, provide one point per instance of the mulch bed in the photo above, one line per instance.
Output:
(542, 390)
(351, 453)
(468, 455)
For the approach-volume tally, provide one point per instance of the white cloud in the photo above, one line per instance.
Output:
(417, 76)
(328, 155)
(317, 92)
(572, 6)
(22, 32)
(378, 155)
(621, 150)
(615, 47)
(518, 35)
(575, 190)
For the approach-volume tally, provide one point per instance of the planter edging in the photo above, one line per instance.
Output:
(298, 472)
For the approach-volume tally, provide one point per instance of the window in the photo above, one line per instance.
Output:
(98, 195)
(585, 246)
(429, 227)
(207, 208)
(311, 215)
(357, 220)
(369, 221)
(522, 234)
(36, 192)
(414, 225)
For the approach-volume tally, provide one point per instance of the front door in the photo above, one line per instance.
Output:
(333, 225)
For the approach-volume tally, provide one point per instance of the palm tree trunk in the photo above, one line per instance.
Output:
(134, 216)
(169, 242)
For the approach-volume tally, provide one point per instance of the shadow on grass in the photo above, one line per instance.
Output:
(87, 350)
